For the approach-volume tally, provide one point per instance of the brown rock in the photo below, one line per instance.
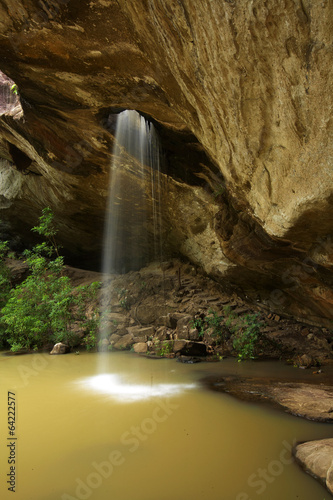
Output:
(141, 334)
(114, 338)
(179, 345)
(189, 348)
(304, 400)
(304, 361)
(316, 457)
(147, 315)
(162, 333)
(125, 342)
(184, 324)
(60, 348)
(140, 347)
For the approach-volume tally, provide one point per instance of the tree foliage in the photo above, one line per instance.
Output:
(43, 308)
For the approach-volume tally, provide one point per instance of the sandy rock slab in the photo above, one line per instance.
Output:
(316, 457)
(305, 400)
(310, 401)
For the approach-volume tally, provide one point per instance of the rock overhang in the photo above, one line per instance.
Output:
(242, 102)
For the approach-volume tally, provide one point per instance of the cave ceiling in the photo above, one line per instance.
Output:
(240, 94)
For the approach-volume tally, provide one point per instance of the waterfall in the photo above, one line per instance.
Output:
(133, 216)
(133, 222)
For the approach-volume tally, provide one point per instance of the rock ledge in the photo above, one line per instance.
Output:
(316, 457)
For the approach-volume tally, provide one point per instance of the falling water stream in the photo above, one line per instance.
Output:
(133, 216)
(133, 222)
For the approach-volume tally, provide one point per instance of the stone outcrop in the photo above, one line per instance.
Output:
(240, 93)
(60, 348)
(308, 401)
(316, 457)
(199, 318)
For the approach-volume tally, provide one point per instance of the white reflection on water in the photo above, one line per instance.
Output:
(113, 386)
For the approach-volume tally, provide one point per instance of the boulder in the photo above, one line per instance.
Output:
(316, 457)
(179, 345)
(140, 347)
(141, 334)
(148, 314)
(124, 342)
(313, 402)
(114, 338)
(189, 360)
(184, 325)
(60, 348)
(189, 348)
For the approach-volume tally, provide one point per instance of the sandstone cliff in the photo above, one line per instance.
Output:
(240, 92)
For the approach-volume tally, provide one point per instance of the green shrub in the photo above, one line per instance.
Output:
(44, 306)
(5, 285)
(247, 337)
(246, 330)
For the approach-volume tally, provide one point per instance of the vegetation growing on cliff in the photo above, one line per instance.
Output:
(245, 331)
(45, 306)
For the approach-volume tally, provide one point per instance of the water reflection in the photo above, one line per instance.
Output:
(124, 391)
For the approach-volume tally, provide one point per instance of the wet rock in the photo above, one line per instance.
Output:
(141, 334)
(125, 342)
(303, 400)
(163, 333)
(114, 338)
(304, 361)
(117, 317)
(288, 231)
(148, 315)
(140, 347)
(167, 265)
(179, 345)
(189, 348)
(188, 359)
(316, 457)
(193, 334)
(60, 348)
(184, 324)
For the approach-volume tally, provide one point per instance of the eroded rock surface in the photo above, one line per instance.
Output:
(175, 308)
(310, 401)
(241, 95)
(316, 457)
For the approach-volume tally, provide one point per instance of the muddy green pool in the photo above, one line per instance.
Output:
(115, 426)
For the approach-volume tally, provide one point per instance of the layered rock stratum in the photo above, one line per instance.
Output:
(240, 93)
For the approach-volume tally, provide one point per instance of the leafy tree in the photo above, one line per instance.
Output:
(43, 307)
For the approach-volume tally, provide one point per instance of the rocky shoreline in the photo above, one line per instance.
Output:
(313, 401)
(164, 305)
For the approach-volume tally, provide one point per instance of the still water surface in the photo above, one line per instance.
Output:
(145, 430)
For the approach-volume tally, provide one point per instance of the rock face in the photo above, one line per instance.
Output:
(317, 459)
(240, 93)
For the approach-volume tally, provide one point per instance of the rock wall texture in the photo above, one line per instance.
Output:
(240, 92)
